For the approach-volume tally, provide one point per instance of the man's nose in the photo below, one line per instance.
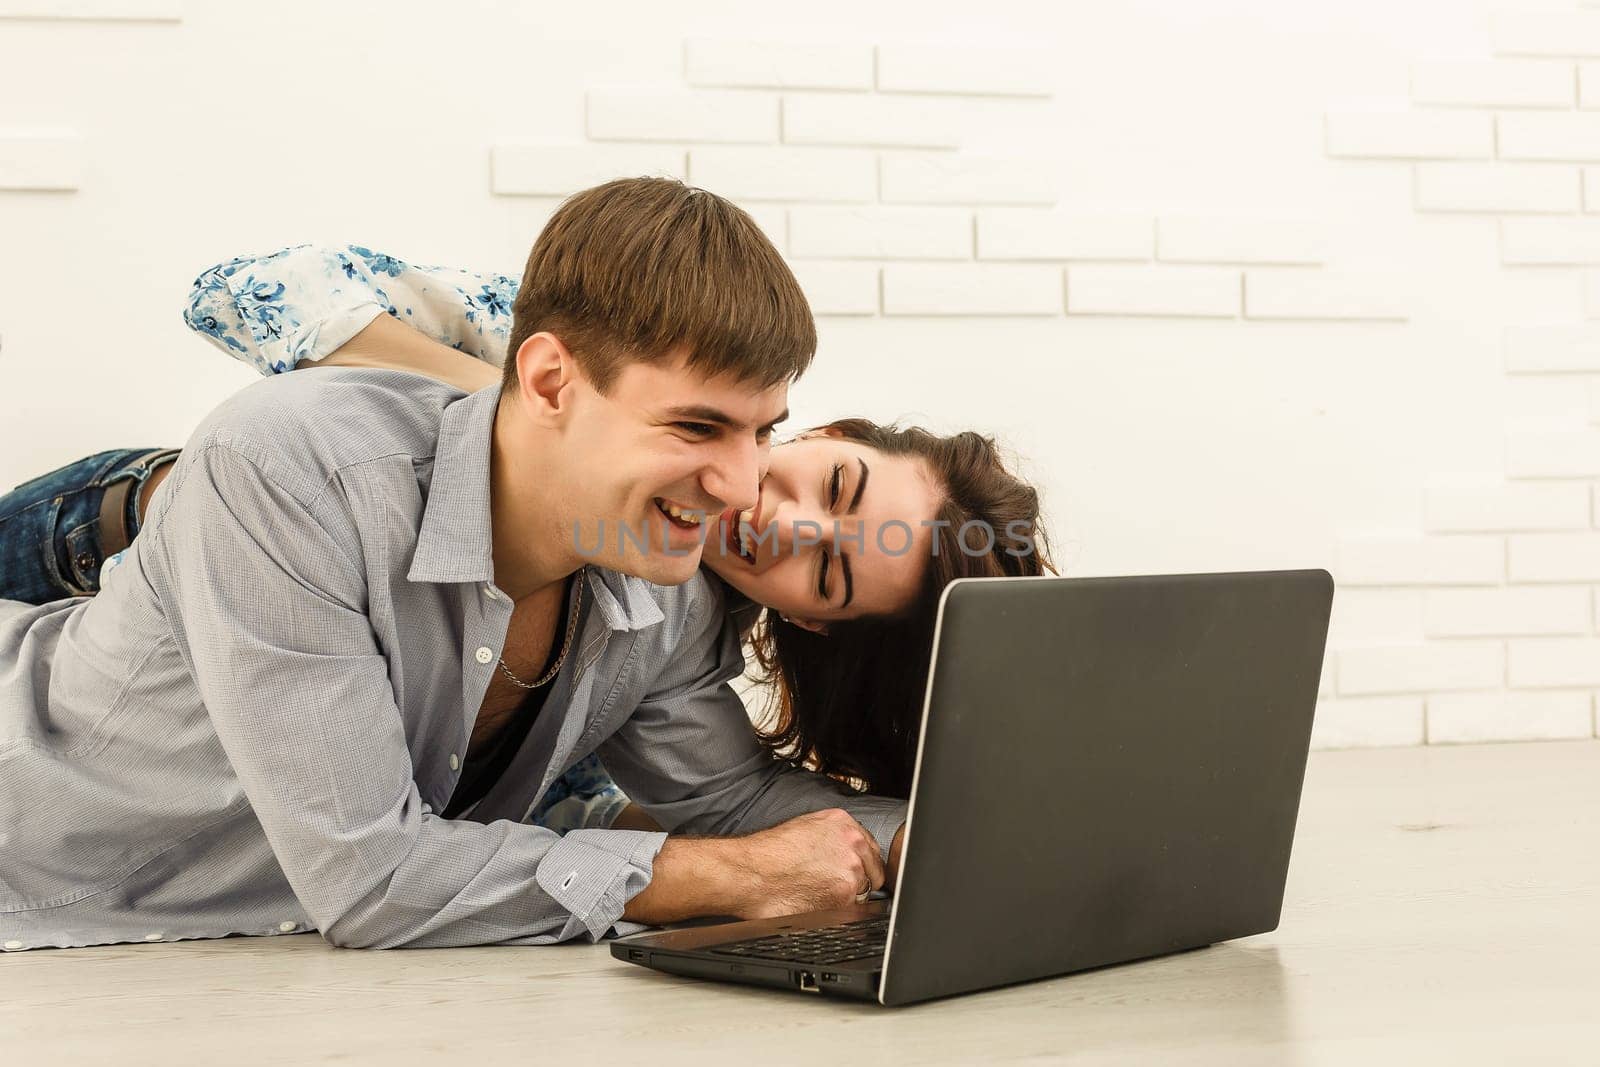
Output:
(734, 478)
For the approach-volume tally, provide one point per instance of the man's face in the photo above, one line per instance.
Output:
(665, 439)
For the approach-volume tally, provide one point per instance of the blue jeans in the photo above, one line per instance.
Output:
(50, 540)
(51, 547)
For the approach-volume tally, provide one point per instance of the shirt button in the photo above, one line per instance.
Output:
(491, 592)
(286, 926)
(152, 937)
(455, 764)
(13, 944)
(427, 809)
(484, 655)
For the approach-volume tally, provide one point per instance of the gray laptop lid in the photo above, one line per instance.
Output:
(1110, 768)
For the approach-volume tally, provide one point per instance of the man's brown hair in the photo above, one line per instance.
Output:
(639, 268)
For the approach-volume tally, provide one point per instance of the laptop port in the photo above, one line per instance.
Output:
(835, 979)
(637, 954)
(808, 982)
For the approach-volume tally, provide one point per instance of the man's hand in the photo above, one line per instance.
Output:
(817, 861)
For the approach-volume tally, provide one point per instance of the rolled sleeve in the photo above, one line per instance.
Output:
(594, 873)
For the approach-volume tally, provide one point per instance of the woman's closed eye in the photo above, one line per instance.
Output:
(835, 488)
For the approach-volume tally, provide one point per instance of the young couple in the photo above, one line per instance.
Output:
(376, 641)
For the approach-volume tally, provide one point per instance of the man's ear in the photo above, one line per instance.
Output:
(545, 368)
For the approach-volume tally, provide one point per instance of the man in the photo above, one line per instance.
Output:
(357, 586)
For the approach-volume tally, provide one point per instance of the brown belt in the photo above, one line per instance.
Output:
(114, 533)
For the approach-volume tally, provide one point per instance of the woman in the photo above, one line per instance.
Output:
(831, 705)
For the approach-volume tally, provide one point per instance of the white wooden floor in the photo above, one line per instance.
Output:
(1443, 907)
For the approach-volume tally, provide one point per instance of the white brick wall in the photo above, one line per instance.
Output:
(1455, 718)
(1549, 242)
(559, 170)
(1422, 668)
(1313, 343)
(104, 10)
(1496, 188)
(838, 288)
(1589, 86)
(1236, 240)
(1492, 83)
(926, 178)
(1555, 453)
(785, 173)
(1366, 617)
(1554, 557)
(40, 160)
(970, 289)
(1552, 136)
(926, 68)
(880, 232)
(1193, 292)
(1546, 33)
(1536, 349)
(1304, 295)
(1514, 506)
(1409, 135)
(1546, 662)
(1032, 233)
(1507, 611)
(778, 64)
(773, 220)
(1369, 723)
(1456, 560)
(653, 114)
(871, 119)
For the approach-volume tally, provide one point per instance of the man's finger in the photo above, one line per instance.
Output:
(871, 860)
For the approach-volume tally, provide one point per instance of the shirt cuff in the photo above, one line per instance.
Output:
(303, 303)
(594, 873)
(323, 339)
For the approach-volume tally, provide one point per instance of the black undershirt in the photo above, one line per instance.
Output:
(479, 774)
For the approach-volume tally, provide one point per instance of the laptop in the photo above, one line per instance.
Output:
(1109, 770)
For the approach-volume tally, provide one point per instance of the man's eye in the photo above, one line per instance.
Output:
(699, 429)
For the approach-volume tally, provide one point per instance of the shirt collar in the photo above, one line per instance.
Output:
(456, 543)
(624, 601)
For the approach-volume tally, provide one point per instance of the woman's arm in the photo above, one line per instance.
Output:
(306, 303)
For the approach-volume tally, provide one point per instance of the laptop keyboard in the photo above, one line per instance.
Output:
(856, 940)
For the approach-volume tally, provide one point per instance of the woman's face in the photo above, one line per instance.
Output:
(839, 532)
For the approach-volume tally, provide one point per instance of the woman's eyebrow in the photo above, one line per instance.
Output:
(855, 501)
(844, 560)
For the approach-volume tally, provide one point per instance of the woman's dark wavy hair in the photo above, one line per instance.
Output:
(849, 703)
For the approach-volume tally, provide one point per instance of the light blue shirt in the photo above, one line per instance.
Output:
(253, 726)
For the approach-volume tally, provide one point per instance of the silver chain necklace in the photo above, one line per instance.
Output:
(566, 642)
